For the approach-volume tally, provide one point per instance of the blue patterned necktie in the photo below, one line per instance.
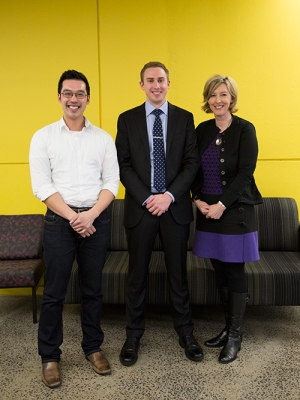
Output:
(158, 153)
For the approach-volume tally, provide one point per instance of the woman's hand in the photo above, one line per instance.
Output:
(215, 211)
(202, 206)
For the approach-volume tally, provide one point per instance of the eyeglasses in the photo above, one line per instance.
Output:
(68, 94)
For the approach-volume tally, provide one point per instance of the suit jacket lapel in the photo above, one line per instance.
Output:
(172, 121)
(141, 128)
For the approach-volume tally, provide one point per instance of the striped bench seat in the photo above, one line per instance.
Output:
(273, 280)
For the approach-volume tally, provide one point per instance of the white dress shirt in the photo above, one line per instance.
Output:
(77, 165)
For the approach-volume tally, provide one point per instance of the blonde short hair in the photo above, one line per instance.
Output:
(212, 84)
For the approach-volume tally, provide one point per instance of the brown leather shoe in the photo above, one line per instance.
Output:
(50, 374)
(99, 363)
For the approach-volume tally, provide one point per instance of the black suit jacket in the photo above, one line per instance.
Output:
(182, 162)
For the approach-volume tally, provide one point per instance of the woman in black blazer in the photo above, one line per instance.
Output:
(225, 192)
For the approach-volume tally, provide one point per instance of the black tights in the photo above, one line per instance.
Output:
(230, 275)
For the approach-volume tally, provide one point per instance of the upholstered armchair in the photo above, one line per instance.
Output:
(21, 261)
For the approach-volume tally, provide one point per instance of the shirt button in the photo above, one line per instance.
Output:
(241, 209)
(222, 149)
(222, 172)
(223, 183)
(222, 160)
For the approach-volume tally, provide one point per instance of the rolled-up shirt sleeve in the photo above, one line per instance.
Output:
(40, 170)
(110, 168)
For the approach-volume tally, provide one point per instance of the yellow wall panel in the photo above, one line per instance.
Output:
(21, 291)
(39, 40)
(279, 179)
(131, 34)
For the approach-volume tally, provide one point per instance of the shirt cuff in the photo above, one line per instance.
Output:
(144, 203)
(172, 197)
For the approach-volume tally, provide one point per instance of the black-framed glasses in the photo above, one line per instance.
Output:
(68, 94)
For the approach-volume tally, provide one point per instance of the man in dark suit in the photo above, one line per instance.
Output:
(152, 208)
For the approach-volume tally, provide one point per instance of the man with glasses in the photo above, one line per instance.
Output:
(74, 171)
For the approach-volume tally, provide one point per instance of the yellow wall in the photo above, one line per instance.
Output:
(256, 42)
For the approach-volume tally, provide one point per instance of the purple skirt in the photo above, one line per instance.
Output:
(232, 238)
(227, 248)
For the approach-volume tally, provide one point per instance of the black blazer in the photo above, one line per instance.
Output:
(239, 150)
(182, 162)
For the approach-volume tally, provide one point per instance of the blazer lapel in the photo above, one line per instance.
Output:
(172, 121)
(141, 128)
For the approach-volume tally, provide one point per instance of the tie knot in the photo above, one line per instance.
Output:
(157, 112)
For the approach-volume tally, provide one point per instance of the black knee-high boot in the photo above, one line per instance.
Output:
(221, 339)
(236, 309)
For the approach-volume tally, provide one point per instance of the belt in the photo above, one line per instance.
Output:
(80, 209)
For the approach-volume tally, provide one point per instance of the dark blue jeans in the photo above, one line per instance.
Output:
(61, 245)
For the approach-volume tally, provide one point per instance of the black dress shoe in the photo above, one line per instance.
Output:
(129, 352)
(192, 349)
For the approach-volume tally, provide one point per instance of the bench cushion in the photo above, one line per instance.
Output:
(20, 273)
(273, 280)
(278, 224)
(21, 236)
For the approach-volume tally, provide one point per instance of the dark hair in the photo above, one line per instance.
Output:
(153, 64)
(72, 74)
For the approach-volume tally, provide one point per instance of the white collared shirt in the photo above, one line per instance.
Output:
(77, 165)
